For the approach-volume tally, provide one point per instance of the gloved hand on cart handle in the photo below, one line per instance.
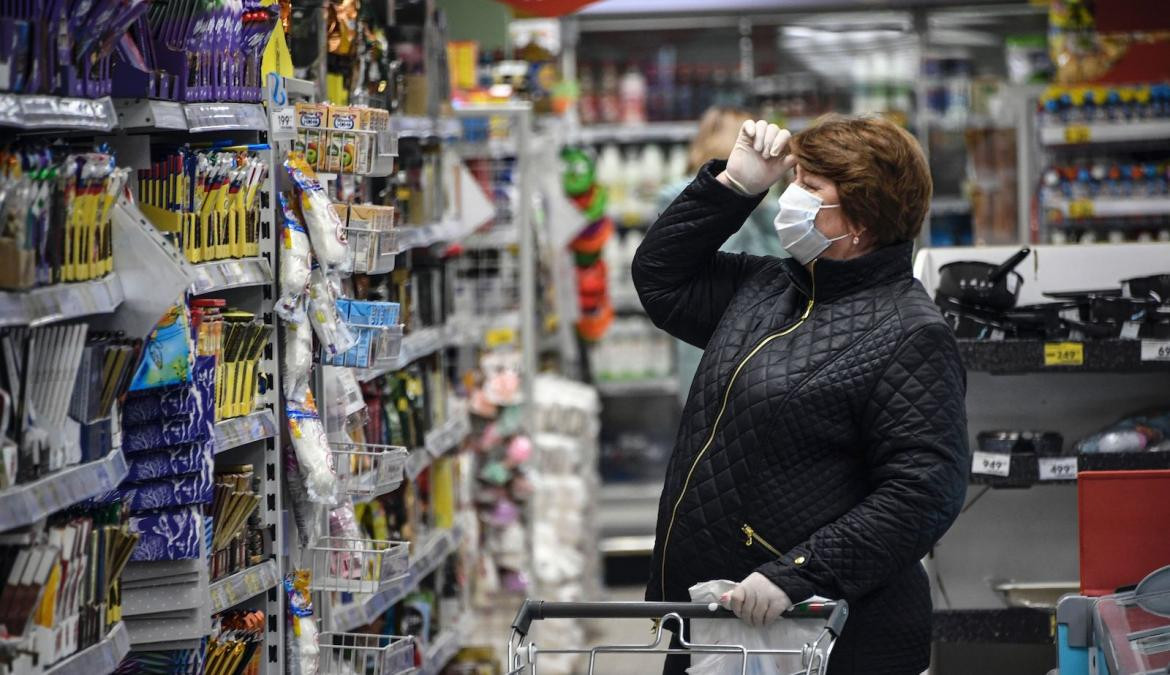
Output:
(757, 600)
(758, 159)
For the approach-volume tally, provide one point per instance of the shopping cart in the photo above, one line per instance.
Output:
(814, 655)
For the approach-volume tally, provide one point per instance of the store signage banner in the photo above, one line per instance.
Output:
(547, 7)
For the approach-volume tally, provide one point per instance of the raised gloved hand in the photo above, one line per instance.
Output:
(757, 600)
(759, 158)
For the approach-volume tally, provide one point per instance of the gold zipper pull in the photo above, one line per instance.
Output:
(747, 529)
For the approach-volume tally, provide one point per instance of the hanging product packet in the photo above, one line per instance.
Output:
(298, 353)
(332, 332)
(295, 260)
(326, 230)
(303, 654)
(312, 449)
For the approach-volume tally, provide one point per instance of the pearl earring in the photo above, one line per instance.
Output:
(856, 240)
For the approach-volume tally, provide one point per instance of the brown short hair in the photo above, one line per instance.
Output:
(880, 172)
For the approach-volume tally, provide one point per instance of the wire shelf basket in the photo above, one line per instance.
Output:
(357, 565)
(373, 239)
(365, 654)
(377, 347)
(366, 470)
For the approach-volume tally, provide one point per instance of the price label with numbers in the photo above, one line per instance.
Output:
(282, 126)
(991, 463)
(1076, 133)
(1064, 354)
(1155, 350)
(1058, 468)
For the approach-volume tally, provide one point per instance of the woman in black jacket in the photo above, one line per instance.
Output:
(823, 445)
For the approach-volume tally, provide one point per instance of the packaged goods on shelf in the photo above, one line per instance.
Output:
(372, 323)
(326, 229)
(371, 231)
(62, 593)
(633, 349)
(236, 642)
(236, 542)
(209, 200)
(340, 139)
(57, 216)
(1088, 104)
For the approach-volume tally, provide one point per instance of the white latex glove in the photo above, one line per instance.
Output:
(759, 158)
(757, 600)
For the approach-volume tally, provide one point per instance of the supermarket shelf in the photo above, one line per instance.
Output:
(1142, 131)
(1007, 357)
(103, 657)
(651, 132)
(237, 431)
(657, 386)
(140, 114)
(60, 302)
(948, 206)
(222, 275)
(415, 345)
(204, 117)
(502, 237)
(439, 442)
(437, 548)
(30, 502)
(232, 590)
(1015, 625)
(489, 149)
(1111, 207)
(444, 647)
(422, 236)
(411, 126)
(1026, 469)
(36, 112)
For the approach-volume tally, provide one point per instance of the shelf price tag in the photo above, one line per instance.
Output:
(991, 463)
(1081, 208)
(1076, 133)
(1057, 468)
(1064, 354)
(283, 125)
(1155, 350)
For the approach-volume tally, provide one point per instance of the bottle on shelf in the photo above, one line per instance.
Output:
(633, 96)
(588, 106)
(609, 103)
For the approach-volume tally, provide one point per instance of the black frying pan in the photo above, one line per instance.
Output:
(1155, 286)
(984, 284)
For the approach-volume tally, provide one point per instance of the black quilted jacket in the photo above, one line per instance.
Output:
(824, 439)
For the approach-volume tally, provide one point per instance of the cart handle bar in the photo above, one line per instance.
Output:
(535, 610)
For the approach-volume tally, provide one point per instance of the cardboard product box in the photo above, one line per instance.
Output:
(342, 139)
(18, 268)
(312, 119)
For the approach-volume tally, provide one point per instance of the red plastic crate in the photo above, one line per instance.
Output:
(1124, 523)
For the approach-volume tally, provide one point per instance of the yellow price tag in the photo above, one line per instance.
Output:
(498, 337)
(1076, 133)
(1064, 354)
(1080, 208)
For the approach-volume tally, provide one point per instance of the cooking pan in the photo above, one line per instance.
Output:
(972, 322)
(985, 284)
(1156, 286)
(1157, 325)
(1042, 443)
(1044, 321)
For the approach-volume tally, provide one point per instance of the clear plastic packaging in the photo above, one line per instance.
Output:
(312, 448)
(343, 527)
(295, 261)
(298, 354)
(302, 653)
(326, 230)
(332, 332)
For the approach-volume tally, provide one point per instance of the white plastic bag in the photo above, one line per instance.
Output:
(781, 634)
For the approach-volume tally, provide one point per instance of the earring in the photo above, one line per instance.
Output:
(856, 240)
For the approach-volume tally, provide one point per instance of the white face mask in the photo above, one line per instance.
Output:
(798, 235)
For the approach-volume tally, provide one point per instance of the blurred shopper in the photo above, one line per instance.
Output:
(823, 447)
(718, 129)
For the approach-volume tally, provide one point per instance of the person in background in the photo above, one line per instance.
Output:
(717, 131)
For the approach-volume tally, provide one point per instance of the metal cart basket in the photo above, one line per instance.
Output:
(814, 655)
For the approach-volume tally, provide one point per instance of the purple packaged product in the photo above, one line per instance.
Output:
(191, 488)
(170, 534)
(182, 459)
(150, 405)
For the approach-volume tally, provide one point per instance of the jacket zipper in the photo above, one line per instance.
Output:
(715, 427)
(754, 537)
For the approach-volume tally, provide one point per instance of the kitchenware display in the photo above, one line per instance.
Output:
(1043, 321)
(1042, 443)
(970, 322)
(978, 283)
(1156, 325)
(1156, 286)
